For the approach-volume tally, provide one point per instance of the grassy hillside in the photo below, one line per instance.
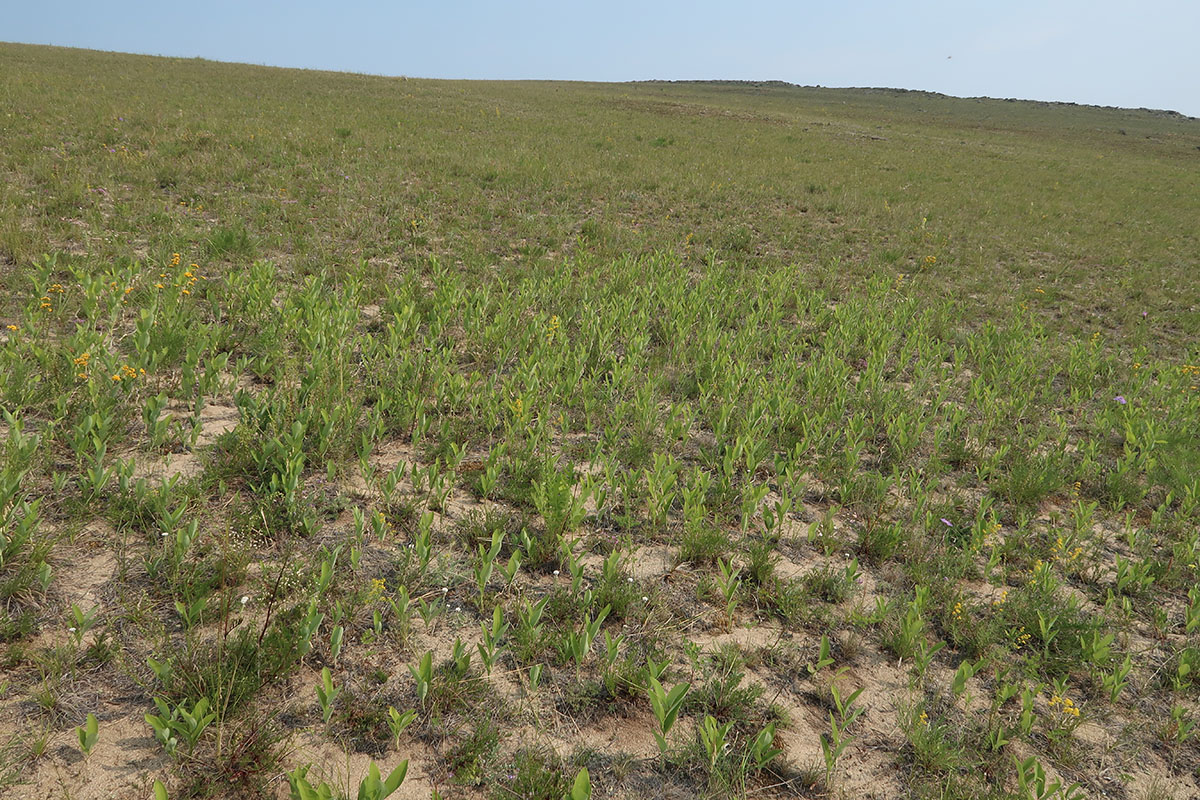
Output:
(122, 156)
(718, 439)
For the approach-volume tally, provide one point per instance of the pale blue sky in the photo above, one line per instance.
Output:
(1102, 51)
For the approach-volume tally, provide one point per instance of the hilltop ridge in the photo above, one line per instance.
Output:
(778, 84)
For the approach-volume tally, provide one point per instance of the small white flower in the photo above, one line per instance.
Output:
(556, 573)
(645, 599)
(245, 599)
(458, 608)
(71, 630)
(165, 534)
(445, 589)
(629, 579)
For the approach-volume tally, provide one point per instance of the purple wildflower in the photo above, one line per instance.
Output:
(947, 523)
(1120, 399)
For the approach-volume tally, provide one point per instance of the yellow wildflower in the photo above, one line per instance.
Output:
(1064, 705)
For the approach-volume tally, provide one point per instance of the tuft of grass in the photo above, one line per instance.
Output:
(231, 243)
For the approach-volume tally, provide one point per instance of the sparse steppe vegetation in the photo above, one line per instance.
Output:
(719, 440)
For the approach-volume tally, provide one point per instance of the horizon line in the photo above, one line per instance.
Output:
(758, 82)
